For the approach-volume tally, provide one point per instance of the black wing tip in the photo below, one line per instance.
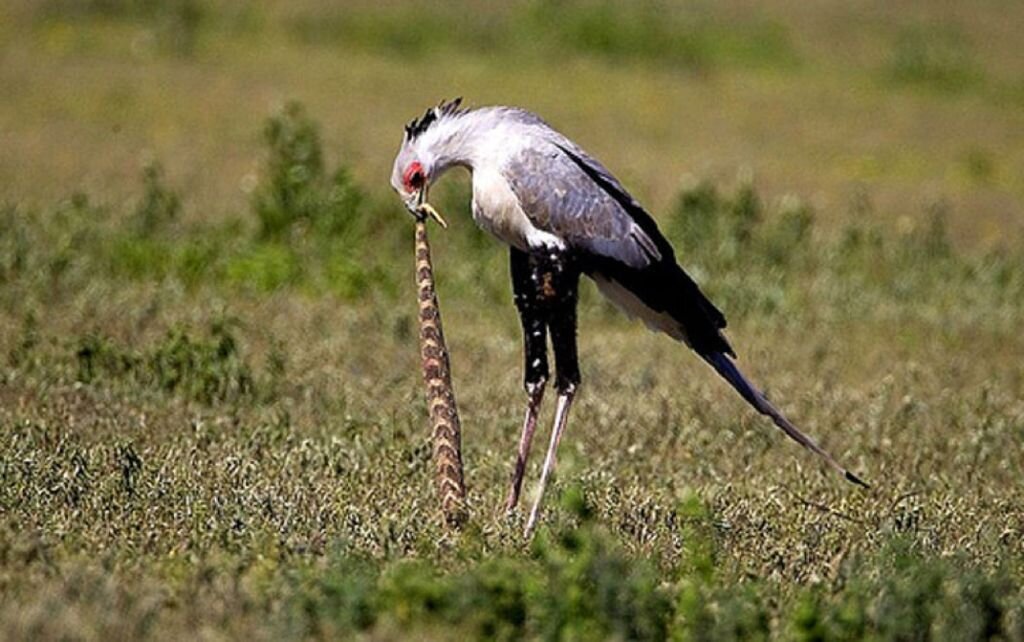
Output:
(850, 477)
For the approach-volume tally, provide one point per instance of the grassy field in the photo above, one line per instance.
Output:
(213, 423)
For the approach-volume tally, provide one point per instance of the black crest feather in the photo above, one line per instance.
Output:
(444, 108)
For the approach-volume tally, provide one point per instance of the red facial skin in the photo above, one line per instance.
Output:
(412, 179)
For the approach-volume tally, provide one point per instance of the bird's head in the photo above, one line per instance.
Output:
(410, 177)
(420, 159)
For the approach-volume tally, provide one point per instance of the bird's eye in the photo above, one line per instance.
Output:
(413, 177)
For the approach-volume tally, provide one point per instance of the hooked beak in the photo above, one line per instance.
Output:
(419, 207)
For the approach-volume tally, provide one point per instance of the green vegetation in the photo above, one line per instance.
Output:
(649, 31)
(940, 61)
(209, 396)
(296, 188)
(206, 370)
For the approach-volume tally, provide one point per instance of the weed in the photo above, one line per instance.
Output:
(206, 369)
(21, 353)
(265, 267)
(935, 60)
(97, 357)
(707, 223)
(296, 188)
(15, 244)
(181, 25)
(979, 166)
(159, 206)
(203, 369)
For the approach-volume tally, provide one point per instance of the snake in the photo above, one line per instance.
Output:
(446, 428)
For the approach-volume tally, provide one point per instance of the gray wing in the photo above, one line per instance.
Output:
(565, 192)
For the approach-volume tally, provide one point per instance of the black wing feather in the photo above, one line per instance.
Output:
(663, 285)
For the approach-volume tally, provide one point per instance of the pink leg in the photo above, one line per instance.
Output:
(529, 426)
(561, 417)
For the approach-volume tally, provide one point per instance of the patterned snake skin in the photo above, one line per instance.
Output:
(444, 414)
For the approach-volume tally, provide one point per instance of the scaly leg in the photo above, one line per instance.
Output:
(561, 417)
(529, 426)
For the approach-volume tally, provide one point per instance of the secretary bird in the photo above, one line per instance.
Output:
(563, 214)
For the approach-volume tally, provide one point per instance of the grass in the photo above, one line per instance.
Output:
(653, 32)
(212, 414)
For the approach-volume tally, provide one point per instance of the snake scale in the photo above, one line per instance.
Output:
(444, 414)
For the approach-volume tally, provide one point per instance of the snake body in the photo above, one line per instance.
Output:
(444, 414)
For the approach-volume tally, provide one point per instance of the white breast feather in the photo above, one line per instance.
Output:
(496, 209)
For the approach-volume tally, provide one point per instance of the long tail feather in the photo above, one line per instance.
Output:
(724, 366)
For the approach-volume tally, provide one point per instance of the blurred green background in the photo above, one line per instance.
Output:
(211, 410)
(915, 102)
